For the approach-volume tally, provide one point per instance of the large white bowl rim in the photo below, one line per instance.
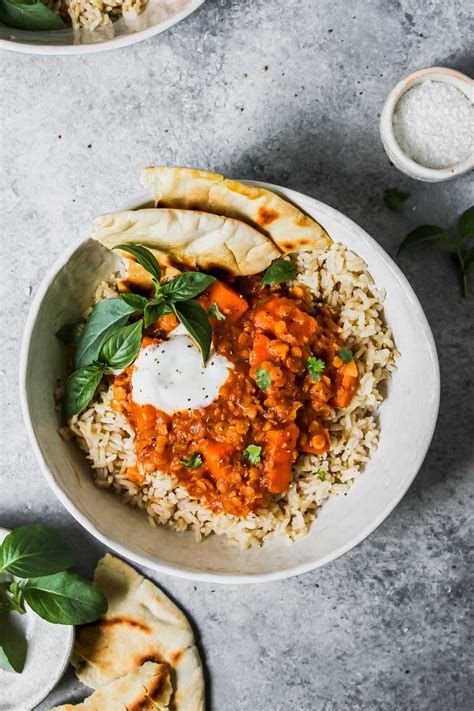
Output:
(408, 417)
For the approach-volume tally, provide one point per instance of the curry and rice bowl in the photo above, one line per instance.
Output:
(228, 397)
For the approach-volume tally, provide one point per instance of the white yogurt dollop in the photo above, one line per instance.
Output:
(171, 377)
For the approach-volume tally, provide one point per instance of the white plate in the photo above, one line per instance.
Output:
(22, 692)
(408, 418)
(158, 16)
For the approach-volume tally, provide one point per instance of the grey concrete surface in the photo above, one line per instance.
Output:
(288, 92)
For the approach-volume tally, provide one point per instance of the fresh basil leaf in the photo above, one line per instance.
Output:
(33, 550)
(263, 379)
(12, 644)
(252, 454)
(70, 333)
(154, 310)
(345, 354)
(65, 598)
(106, 317)
(121, 348)
(144, 257)
(80, 389)
(33, 15)
(466, 223)
(394, 199)
(136, 301)
(186, 286)
(279, 271)
(195, 320)
(215, 312)
(422, 234)
(315, 367)
(194, 461)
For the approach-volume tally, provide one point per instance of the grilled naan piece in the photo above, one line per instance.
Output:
(147, 688)
(186, 188)
(141, 624)
(197, 240)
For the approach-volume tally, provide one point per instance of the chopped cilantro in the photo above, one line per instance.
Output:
(194, 461)
(252, 454)
(315, 367)
(320, 474)
(215, 312)
(345, 354)
(263, 379)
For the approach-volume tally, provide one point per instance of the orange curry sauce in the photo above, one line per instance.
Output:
(265, 327)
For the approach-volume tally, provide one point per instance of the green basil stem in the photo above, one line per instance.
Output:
(11, 602)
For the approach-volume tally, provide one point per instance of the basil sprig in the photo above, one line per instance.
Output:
(29, 15)
(35, 550)
(107, 342)
(461, 248)
(118, 351)
(106, 317)
(279, 271)
(41, 558)
(175, 296)
(194, 318)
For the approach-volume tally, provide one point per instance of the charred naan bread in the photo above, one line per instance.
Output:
(289, 228)
(199, 240)
(146, 688)
(141, 624)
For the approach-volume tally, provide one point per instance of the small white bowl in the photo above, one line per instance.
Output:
(407, 418)
(157, 17)
(48, 653)
(392, 148)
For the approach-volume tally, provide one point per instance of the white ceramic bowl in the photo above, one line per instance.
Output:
(157, 17)
(408, 417)
(48, 653)
(392, 148)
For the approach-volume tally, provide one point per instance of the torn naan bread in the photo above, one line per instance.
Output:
(187, 188)
(141, 624)
(199, 240)
(147, 688)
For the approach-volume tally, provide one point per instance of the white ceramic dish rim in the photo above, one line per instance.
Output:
(392, 148)
(113, 43)
(228, 578)
(68, 645)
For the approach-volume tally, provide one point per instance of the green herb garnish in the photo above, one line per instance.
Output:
(176, 296)
(395, 200)
(252, 454)
(107, 316)
(107, 342)
(345, 354)
(462, 254)
(80, 389)
(215, 312)
(33, 15)
(315, 367)
(194, 461)
(279, 271)
(320, 474)
(41, 558)
(263, 379)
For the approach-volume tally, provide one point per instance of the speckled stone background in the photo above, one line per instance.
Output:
(289, 92)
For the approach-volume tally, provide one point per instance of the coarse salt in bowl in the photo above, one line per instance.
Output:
(427, 124)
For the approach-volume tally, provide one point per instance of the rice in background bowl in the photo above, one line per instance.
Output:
(407, 420)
